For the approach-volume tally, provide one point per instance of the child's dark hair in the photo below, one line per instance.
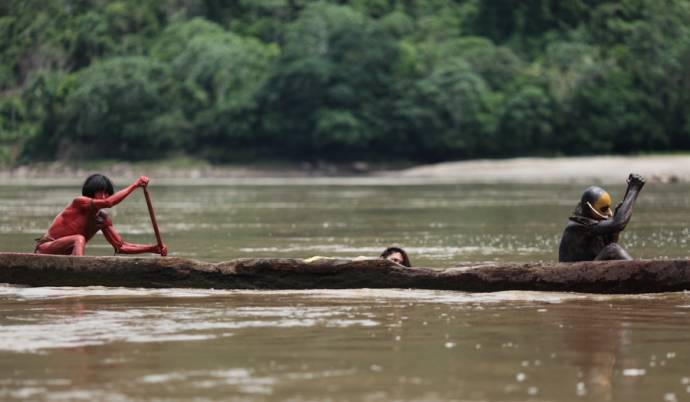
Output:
(391, 250)
(95, 183)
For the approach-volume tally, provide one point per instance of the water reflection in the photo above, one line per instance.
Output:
(362, 344)
(595, 347)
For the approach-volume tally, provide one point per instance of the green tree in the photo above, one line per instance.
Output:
(526, 123)
(427, 79)
(526, 20)
(176, 36)
(219, 75)
(497, 65)
(607, 114)
(449, 114)
(121, 109)
(330, 91)
(43, 98)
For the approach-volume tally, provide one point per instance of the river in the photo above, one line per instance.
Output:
(116, 344)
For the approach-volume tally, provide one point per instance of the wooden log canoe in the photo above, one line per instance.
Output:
(638, 276)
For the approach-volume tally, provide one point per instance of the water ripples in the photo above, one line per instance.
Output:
(84, 327)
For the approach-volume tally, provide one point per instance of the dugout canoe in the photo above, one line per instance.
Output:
(638, 276)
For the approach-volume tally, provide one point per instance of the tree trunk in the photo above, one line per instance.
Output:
(638, 276)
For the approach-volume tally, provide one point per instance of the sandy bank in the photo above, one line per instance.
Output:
(171, 172)
(603, 169)
(599, 169)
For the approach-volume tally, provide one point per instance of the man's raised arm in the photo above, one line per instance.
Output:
(624, 210)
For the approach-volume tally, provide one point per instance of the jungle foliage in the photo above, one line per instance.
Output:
(423, 80)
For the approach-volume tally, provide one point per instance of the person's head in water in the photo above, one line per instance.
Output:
(97, 183)
(397, 255)
(596, 204)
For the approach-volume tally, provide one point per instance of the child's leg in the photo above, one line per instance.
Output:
(73, 245)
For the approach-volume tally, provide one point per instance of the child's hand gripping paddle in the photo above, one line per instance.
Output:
(152, 214)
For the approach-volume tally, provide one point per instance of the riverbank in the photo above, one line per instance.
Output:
(604, 169)
(598, 169)
(181, 170)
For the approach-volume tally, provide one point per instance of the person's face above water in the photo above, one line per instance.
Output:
(396, 258)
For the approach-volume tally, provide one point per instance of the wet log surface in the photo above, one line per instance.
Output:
(639, 276)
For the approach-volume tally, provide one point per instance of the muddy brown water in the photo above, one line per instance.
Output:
(115, 344)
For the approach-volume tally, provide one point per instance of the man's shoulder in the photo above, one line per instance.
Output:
(82, 202)
(581, 221)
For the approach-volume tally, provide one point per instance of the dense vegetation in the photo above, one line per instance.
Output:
(421, 80)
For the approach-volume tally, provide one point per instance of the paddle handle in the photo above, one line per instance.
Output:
(152, 214)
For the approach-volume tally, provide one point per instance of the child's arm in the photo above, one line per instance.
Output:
(122, 247)
(97, 203)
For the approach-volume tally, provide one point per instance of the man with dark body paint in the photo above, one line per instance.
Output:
(83, 218)
(593, 230)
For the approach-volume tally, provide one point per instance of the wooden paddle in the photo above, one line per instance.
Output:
(152, 214)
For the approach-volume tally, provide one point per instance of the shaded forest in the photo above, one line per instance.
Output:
(424, 80)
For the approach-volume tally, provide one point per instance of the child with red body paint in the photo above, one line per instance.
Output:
(83, 218)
